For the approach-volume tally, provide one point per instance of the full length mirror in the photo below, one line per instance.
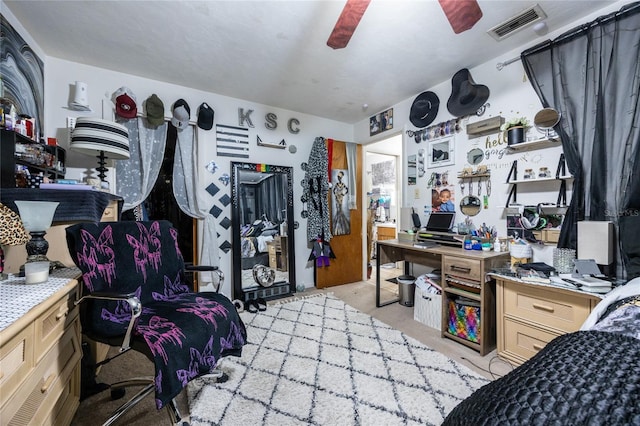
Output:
(262, 228)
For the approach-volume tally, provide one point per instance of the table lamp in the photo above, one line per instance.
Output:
(37, 217)
(12, 233)
(93, 136)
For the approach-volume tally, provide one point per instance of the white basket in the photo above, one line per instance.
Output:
(520, 251)
(427, 308)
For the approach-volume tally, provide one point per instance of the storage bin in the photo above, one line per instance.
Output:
(427, 308)
(464, 321)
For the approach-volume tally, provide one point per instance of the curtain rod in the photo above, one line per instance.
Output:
(501, 65)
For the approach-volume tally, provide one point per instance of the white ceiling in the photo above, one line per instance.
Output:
(275, 52)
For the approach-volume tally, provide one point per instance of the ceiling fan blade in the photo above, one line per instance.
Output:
(347, 23)
(462, 14)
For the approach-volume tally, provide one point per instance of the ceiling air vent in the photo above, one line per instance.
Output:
(522, 20)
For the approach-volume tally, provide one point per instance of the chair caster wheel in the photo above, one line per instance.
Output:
(117, 393)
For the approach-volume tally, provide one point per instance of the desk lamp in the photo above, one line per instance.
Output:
(93, 136)
(37, 217)
(12, 233)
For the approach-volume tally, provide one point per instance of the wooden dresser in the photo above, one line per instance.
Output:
(40, 350)
(531, 315)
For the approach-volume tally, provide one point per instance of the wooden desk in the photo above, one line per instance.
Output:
(40, 350)
(470, 266)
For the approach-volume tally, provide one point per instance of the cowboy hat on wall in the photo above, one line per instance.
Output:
(467, 97)
(424, 109)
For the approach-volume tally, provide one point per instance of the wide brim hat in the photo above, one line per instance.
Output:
(181, 114)
(125, 103)
(205, 116)
(424, 109)
(155, 110)
(466, 96)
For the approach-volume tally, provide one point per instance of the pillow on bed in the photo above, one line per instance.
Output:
(623, 317)
(632, 288)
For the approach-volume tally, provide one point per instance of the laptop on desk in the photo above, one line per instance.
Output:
(439, 229)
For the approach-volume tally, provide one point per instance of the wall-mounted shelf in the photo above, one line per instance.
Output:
(545, 179)
(535, 144)
(561, 175)
(475, 176)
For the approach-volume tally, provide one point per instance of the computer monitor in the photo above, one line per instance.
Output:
(441, 221)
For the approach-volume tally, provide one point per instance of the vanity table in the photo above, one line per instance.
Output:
(40, 350)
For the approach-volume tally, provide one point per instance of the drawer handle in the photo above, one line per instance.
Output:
(543, 307)
(47, 383)
(537, 347)
(460, 269)
(62, 314)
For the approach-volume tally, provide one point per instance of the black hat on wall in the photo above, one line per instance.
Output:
(205, 116)
(466, 96)
(424, 109)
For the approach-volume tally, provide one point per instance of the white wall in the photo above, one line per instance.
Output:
(61, 75)
(511, 94)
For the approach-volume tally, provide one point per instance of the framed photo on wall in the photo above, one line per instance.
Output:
(381, 122)
(440, 153)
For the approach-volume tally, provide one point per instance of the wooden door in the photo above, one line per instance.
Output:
(348, 265)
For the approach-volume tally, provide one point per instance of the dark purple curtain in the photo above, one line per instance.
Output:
(591, 75)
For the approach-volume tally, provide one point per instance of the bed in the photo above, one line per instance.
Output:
(589, 377)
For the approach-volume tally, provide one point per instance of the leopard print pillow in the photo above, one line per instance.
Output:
(12, 232)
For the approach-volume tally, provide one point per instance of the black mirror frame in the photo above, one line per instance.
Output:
(276, 290)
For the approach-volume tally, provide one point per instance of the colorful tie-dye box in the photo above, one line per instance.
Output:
(464, 321)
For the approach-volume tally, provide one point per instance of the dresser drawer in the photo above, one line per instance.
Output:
(16, 360)
(110, 213)
(560, 311)
(523, 340)
(33, 402)
(52, 324)
(465, 268)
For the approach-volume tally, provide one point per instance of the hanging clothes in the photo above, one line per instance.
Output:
(316, 189)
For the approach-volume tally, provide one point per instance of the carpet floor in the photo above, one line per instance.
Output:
(319, 361)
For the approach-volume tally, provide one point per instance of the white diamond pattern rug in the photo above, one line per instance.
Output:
(318, 361)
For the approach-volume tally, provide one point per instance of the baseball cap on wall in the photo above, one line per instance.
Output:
(181, 114)
(155, 110)
(125, 103)
(205, 116)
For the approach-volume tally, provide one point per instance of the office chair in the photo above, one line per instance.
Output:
(135, 296)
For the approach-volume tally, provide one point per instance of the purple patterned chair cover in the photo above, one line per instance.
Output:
(183, 332)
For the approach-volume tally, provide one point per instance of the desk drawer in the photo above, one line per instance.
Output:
(52, 324)
(523, 340)
(465, 268)
(560, 311)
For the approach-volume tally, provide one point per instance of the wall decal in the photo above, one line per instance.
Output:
(245, 116)
(232, 141)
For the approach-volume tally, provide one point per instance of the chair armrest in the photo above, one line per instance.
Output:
(134, 304)
(207, 268)
(199, 268)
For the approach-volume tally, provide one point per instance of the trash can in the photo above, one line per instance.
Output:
(406, 289)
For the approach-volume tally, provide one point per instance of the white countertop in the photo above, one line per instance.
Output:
(18, 298)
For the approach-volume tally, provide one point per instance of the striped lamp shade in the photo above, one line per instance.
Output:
(94, 135)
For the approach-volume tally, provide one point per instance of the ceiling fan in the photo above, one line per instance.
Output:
(462, 15)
